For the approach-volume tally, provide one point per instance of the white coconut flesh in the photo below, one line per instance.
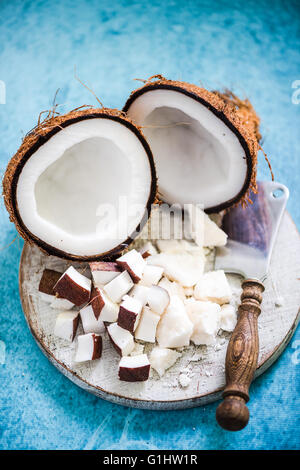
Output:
(198, 157)
(86, 189)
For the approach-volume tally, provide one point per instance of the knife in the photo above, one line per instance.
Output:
(251, 235)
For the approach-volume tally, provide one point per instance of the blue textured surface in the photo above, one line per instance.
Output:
(253, 49)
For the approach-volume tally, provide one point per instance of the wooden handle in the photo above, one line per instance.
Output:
(241, 359)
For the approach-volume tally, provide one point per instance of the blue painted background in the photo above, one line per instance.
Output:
(251, 47)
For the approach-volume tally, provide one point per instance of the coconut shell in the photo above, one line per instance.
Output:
(36, 138)
(238, 115)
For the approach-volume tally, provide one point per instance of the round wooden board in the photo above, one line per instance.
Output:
(204, 365)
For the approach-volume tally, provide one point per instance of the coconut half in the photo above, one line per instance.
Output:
(204, 143)
(81, 185)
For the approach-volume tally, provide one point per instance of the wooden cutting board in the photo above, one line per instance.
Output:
(204, 366)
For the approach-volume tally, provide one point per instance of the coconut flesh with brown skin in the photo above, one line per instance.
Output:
(204, 143)
(69, 171)
(205, 150)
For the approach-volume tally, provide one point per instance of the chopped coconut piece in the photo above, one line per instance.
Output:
(134, 369)
(184, 268)
(213, 235)
(213, 286)
(121, 339)
(205, 317)
(89, 347)
(172, 287)
(66, 325)
(205, 231)
(89, 322)
(74, 287)
(169, 246)
(162, 359)
(147, 250)
(175, 328)
(96, 301)
(46, 290)
(61, 304)
(140, 292)
(184, 380)
(48, 280)
(228, 317)
(151, 275)
(158, 299)
(134, 263)
(192, 247)
(103, 306)
(119, 286)
(146, 329)
(129, 313)
(138, 349)
(103, 272)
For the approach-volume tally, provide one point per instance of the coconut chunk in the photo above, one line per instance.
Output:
(129, 313)
(134, 369)
(213, 286)
(228, 318)
(140, 292)
(205, 317)
(89, 322)
(192, 248)
(103, 306)
(74, 287)
(46, 290)
(89, 347)
(162, 359)
(169, 246)
(205, 231)
(173, 288)
(96, 301)
(151, 275)
(146, 329)
(184, 268)
(48, 280)
(138, 349)
(103, 272)
(122, 340)
(213, 235)
(184, 380)
(134, 263)
(158, 299)
(175, 328)
(118, 287)
(147, 250)
(66, 325)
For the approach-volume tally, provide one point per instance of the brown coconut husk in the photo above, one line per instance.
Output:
(40, 134)
(245, 110)
(237, 114)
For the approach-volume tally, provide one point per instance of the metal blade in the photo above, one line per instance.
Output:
(252, 232)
